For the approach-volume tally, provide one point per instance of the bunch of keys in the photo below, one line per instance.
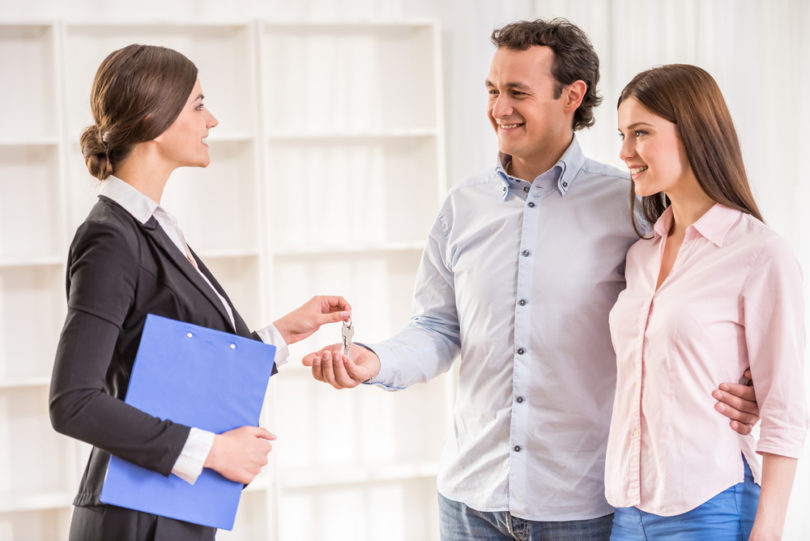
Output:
(347, 332)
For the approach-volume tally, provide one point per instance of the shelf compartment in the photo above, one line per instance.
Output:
(403, 510)
(364, 434)
(32, 310)
(378, 286)
(353, 192)
(39, 465)
(30, 206)
(36, 524)
(350, 78)
(223, 54)
(239, 277)
(219, 203)
(27, 57)
(201, 199)
(251, 518)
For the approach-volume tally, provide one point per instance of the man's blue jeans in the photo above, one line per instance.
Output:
(459, 522)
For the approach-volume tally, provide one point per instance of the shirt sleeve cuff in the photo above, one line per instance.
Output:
(270, 335)
(189, 464)
(386, 374)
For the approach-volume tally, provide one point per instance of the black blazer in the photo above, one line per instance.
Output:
(120, 270)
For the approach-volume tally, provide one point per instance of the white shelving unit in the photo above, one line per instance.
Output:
(327, 170)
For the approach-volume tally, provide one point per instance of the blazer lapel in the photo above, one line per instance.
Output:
(153, 229)
(241, 327)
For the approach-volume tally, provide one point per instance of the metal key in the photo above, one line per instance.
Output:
(347, 332)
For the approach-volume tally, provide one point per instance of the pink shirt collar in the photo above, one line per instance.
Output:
(714, 225)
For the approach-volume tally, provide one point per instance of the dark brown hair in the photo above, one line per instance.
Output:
(137, 94)
(574, 57)
(689, 97)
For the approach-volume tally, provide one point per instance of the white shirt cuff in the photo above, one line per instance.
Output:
(270, 335)
(189, 464)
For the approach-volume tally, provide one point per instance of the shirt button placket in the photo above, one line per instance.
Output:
(522, 414)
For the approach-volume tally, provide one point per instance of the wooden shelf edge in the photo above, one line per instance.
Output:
(33, 142)
(318, 477)
(358, 249)
(15, 503)
(289, 137)
(24, 383)
(227, 254)
(16, 262)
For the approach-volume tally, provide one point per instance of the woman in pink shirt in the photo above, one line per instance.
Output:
(710, 293)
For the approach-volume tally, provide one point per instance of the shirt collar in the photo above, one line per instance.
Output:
(713, 225)
(564, 171)
(137, 204)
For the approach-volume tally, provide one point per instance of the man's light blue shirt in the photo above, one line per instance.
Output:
(517, 280)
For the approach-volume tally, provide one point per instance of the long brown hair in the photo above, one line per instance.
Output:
(689, 97)
(137, 94)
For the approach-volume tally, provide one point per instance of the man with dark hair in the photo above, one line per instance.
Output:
(520, 270)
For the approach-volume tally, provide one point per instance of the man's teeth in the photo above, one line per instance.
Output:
(638, 169)
(509, 126)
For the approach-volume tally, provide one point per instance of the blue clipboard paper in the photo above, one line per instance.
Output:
(197, 377)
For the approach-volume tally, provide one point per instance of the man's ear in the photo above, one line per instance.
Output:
(573, 94)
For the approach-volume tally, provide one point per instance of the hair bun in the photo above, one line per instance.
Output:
(96, 152)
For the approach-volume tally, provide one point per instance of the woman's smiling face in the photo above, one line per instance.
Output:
(652, 150)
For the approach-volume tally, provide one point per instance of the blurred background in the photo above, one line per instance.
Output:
(342, 124)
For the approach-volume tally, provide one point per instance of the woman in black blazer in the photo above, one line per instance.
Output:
(129, 259)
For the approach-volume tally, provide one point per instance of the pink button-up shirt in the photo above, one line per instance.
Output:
(733, 299)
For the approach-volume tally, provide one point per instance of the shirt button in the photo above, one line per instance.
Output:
(525, 253)
(531, 205)
(522, 302)
(635, 433)
(565, 184)
(519, 400)
(526, 189)
(521, 351)
(517, 448)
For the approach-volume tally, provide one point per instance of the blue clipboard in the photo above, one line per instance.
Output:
(197, 377)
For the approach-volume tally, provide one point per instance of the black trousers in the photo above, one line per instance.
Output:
(108, 522)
